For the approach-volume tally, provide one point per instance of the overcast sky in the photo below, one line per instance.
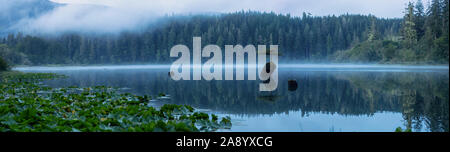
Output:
(380, 8)
(123, 15)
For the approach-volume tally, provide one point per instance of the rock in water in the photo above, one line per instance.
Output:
(268, 69)
(292, 85)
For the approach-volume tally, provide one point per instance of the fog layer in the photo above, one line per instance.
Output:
(112, 16)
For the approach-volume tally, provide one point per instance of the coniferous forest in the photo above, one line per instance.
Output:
(420, 37)
(100, 66)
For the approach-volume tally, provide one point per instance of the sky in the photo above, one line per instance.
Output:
(379, 8)
(115, 16)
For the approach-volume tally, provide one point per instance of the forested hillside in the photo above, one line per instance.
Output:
(18, 10)
(300, 38)
(422, 36)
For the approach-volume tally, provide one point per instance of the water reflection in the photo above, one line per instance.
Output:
(420, 98)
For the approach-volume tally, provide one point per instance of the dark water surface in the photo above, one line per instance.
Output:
(328, 98)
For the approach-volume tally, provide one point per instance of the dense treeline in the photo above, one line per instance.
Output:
(420, 37)
(424, 38)
(303, 39)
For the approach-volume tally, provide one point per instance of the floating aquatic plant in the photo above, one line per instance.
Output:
(27, 105)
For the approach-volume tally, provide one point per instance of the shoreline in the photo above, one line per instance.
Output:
(292, 66)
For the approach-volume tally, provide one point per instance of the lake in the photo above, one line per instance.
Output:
(329, 98)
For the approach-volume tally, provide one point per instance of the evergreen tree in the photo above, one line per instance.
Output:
(419, 19)
(409, 32)
(373, 34)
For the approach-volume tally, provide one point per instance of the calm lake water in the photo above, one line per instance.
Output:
(329, 98)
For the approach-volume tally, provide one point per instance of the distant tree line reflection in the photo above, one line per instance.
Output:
(422, 98)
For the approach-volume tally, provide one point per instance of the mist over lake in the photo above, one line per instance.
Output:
(337, 98)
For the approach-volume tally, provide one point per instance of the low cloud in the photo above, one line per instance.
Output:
(111, 16)
(85, 18)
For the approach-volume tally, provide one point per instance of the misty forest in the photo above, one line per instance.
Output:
(420, 37)
(342, 72)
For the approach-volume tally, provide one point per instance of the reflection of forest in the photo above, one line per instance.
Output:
(421, 97)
